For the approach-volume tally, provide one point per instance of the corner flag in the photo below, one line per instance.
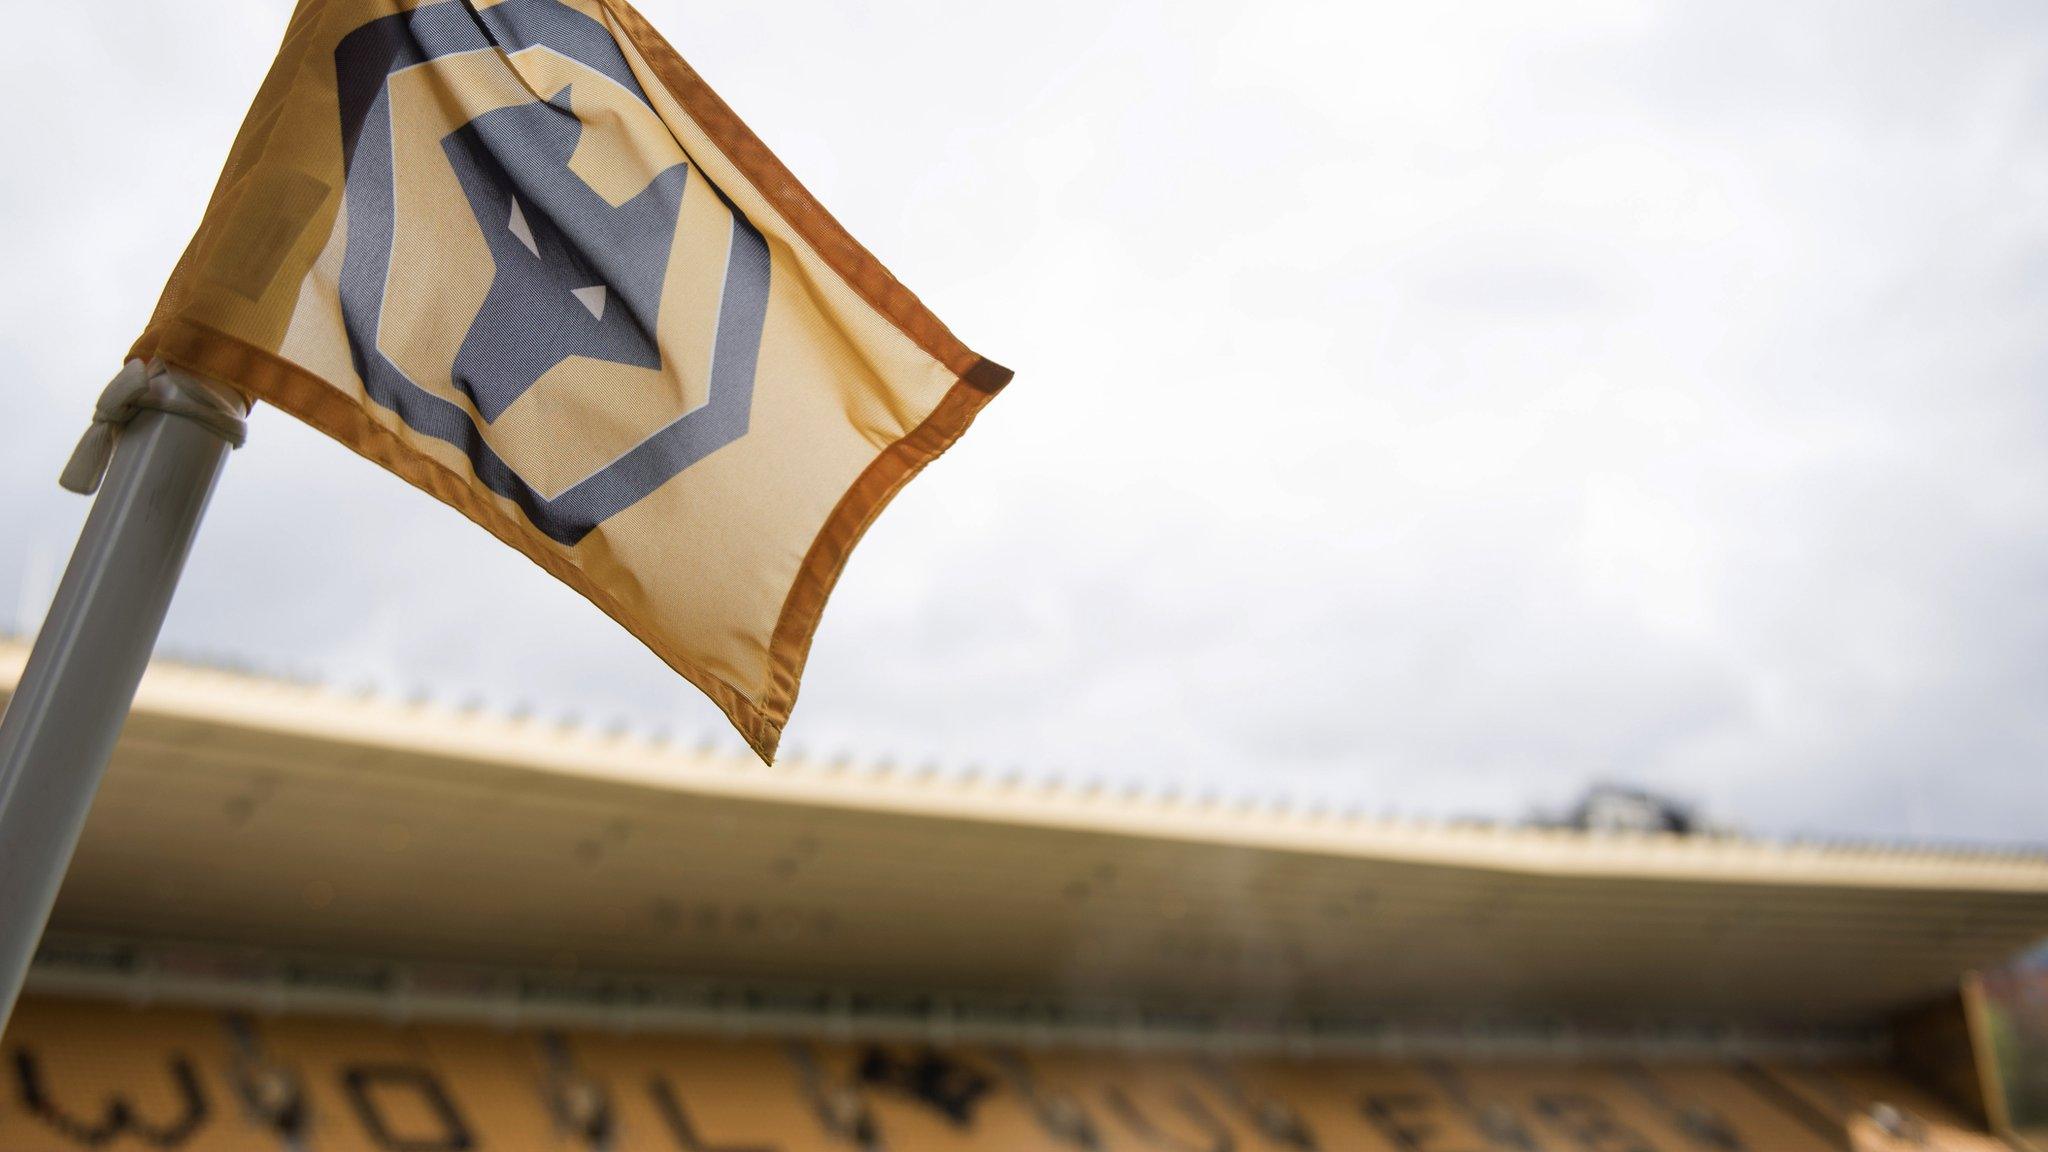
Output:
(518, 253)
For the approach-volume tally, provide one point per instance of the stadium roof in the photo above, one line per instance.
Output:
(252, 811)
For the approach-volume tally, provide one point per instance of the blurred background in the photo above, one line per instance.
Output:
(1433, 408)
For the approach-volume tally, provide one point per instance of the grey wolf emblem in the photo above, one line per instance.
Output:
(574, 275)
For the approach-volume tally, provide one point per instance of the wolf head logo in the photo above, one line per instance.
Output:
(575, 275)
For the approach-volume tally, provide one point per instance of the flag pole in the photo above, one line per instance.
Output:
(161, 437)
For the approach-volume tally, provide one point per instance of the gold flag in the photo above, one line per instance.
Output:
(518, 253)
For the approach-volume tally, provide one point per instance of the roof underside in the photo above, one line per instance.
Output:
(243, 811)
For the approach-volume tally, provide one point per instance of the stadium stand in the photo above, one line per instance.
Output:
(306, 920)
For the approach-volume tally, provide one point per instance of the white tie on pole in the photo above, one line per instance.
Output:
(140, 388)
(159, 438)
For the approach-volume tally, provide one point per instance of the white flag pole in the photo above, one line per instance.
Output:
(166, 436)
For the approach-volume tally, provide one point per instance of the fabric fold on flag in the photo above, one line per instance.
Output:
(520, 254)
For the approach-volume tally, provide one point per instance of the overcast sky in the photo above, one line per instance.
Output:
(1429, 407)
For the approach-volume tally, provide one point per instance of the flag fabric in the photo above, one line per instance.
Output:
(518, 253)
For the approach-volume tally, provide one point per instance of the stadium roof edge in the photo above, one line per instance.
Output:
(567, 754)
